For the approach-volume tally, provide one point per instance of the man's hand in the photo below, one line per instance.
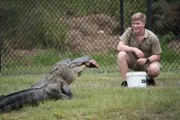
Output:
(141, 61)
(138, 52)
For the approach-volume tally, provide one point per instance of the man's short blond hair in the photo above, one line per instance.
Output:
(139, 16)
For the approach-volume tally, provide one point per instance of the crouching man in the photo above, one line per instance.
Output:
(139, 49)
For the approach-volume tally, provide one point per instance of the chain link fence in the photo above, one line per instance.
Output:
(35, 34)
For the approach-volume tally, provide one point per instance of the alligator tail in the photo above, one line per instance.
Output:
(17, 99)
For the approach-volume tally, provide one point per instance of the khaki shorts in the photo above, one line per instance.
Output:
(133, 65)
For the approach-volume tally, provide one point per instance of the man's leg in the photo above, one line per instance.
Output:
(123, 61)
(153, 70)
(126, 61)
(123, 64)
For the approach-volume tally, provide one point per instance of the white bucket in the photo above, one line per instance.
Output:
(136, 79)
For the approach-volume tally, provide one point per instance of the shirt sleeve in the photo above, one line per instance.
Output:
(156, 48)
(125, 36)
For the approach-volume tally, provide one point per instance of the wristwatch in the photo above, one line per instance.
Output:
(147, 60)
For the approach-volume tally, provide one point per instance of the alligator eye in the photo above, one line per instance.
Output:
(72, 66)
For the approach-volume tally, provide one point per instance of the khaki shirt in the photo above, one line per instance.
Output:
(149, 45)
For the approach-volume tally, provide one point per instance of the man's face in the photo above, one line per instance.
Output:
(138, 26)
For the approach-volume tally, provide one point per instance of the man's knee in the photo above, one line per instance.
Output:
(122, 55)
(154, 69)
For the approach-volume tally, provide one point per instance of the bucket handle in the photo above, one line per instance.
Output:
(134, 67)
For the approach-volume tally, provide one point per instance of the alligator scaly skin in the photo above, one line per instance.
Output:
(55, 85)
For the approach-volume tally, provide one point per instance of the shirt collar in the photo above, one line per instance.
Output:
(145, 33)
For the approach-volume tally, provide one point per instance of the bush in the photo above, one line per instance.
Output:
(167, 52)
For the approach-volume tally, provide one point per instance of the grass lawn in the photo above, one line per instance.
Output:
(99, 96)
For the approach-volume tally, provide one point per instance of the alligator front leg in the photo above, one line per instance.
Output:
(57, 91)
(66, 90)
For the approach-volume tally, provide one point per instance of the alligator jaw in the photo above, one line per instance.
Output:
(78, 69)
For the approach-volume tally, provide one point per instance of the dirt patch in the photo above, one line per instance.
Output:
(92, 32)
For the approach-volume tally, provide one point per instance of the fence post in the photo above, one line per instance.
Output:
(149, 12)
(121, 17)
(0, 51)
(0, 46)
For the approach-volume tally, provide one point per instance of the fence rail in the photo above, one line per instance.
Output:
(35, 34)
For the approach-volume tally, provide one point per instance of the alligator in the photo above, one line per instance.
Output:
(54, 85)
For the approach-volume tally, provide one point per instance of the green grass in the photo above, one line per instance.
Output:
(100, 97)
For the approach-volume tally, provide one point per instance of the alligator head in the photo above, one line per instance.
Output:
(77, 65)
(68, 69)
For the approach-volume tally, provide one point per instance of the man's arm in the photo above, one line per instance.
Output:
(122, 47)
(154, 57)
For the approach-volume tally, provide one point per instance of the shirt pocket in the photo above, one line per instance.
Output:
(146, 47)
(133, 43)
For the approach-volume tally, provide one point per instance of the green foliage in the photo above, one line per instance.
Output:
(162, 17)
(107, 58)
(47, 58)
(167, 38)
(167, 52)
